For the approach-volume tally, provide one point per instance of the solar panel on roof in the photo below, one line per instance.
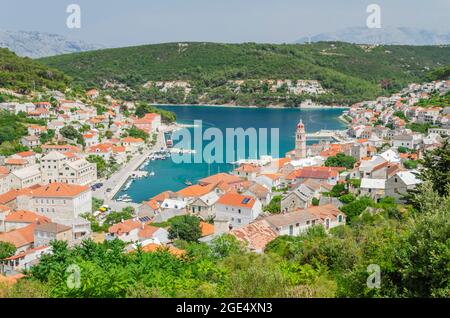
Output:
(144, 219)
(245, 201)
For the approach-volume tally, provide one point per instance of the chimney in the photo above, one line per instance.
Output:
(122, 221)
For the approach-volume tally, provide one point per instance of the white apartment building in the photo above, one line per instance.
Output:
(25, 177)
(56, 167)
(62, 203)
(238, 209)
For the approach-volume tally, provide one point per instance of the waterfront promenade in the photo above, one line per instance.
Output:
(118, 179)
(338, 135)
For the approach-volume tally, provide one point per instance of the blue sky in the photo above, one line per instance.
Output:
(119, 23)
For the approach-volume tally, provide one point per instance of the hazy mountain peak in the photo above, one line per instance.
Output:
(39, 44)
(388, 35)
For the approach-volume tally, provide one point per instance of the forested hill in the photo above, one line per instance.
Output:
(348, 72)
(24, 74)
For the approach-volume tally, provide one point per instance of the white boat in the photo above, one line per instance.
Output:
(152, 173)
(128, 185)
(123, 197)
(127, 200)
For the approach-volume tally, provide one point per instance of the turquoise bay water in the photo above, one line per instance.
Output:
(172, 176)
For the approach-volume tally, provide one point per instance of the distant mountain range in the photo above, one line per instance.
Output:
(38, 44)
(388, 36)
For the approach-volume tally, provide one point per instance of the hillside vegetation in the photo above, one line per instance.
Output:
(24, 74)
(348, 72)
(408, 244)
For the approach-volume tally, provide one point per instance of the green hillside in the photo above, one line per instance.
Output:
(24, 74)
(349, 72)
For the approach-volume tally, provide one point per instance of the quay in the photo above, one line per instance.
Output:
(130, 169)
(337, 135)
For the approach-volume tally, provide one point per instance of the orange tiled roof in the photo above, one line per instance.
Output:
(22, 216)
(220, 177)
(105, 147)
(25, 154)
(282, 161)
(60, 190)
(152, 204)
(411, 156)
(4, 208)
(155, 247)
(132, 140)
(88, 136)
(4, 170)
(324, 211)
(124, 227)
(11, 195)
(15, 162)
(207, 229)
(272, 176)
(248, 168)
(147, 119)
(69, 155)
(11, 280)
(147, 231)
(316, 172)
(257, 234)
(20, 237)
(66, 147)
(235, 199)
(196, 190)
(162, 196)
(118, 149)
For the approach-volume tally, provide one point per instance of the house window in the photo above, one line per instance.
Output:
(339, 218)
(291, 230)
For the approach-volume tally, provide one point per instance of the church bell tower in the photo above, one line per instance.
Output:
(300, 141)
